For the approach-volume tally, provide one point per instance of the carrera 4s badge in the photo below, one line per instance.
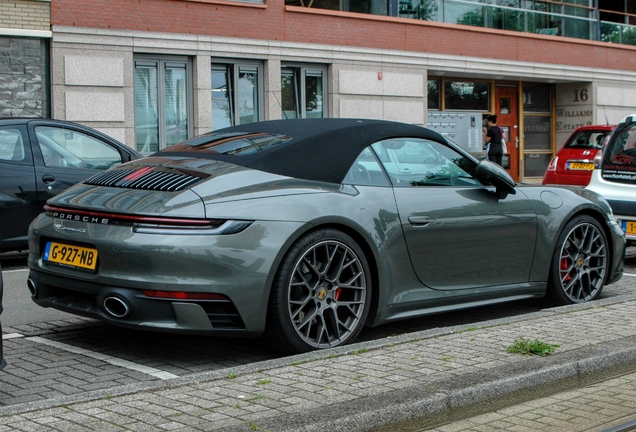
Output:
(60, 227)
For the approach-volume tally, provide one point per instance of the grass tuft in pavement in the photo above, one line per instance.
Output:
(527, 347)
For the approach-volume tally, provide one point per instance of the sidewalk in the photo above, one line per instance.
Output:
(407, 383)
(607, 406)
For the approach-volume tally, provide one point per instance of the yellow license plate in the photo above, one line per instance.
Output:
(581, 166)
(76, 256)
(629, 227)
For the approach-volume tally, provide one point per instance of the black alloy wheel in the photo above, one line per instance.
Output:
(580, 262)
(321, 295)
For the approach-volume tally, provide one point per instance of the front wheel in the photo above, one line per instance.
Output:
(579, 264)
(321, 294)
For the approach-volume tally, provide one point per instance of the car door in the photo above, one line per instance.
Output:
(458, 233)
(65, 155)
(18, 194)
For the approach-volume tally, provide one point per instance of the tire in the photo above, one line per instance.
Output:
(321, 294)
(579, 264)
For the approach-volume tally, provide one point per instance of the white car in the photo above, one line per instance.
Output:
(614, 176)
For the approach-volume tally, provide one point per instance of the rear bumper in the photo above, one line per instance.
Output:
(239, 267)
(126, 307)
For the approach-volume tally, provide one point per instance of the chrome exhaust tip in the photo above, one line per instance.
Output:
(32, 287)
(116, 307)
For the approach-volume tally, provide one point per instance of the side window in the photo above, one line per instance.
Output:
(67, 148)
(366, 171)
(619, 158)
(624, 142)
(420, 162)
(630, 142)
(14, 148)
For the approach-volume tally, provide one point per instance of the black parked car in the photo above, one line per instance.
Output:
(40, 158)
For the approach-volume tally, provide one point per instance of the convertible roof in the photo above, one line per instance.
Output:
(312, 149)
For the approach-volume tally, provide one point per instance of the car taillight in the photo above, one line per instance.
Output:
(553, 164)
(597, 159)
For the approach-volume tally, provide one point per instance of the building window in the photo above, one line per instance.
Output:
(302, 92)
(236, 95)
(433, 94)
(467, 95)
(162, 103)
(537, 99)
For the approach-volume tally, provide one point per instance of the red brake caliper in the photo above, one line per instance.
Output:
(336, 295)
(564, 266)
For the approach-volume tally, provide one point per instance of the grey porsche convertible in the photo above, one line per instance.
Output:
(304, 231)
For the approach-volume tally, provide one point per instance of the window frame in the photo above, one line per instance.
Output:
(299, 73)
(232, 72)
(160, 62)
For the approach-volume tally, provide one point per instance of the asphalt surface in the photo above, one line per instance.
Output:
(446, 377)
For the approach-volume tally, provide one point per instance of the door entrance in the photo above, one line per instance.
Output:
(506, 109)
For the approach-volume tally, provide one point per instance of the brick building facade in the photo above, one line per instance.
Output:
(152, 72)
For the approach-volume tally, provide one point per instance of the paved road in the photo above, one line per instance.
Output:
(71, 356)
(411, 382)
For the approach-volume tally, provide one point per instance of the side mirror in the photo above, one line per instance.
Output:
(489, 173)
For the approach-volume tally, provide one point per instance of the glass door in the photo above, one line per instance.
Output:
(506, 97)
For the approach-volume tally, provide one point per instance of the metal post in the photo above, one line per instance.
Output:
(597, 29)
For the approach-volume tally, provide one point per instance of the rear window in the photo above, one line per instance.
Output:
(619, 158)
(230, 144)
(588, 139)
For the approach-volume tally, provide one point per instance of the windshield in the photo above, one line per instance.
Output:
(619, 158)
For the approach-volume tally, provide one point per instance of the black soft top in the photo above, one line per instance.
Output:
(312, 149)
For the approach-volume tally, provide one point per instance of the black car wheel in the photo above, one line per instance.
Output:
(321, 295)
(580, 261)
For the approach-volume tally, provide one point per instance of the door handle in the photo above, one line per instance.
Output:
(421, 220)
(48, 178)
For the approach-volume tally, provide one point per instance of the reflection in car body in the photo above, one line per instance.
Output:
(306, 230)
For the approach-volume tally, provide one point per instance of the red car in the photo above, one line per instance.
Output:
(574, 162)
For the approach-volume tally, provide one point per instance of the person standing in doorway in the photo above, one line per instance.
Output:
(493, 139)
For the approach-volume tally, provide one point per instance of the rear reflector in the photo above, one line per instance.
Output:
(181, 295)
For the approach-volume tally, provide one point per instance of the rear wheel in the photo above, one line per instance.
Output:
(580, 262)
(321, 294)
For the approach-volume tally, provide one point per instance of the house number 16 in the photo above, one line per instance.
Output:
(580, 95)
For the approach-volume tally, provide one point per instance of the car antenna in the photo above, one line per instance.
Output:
(605, 112)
